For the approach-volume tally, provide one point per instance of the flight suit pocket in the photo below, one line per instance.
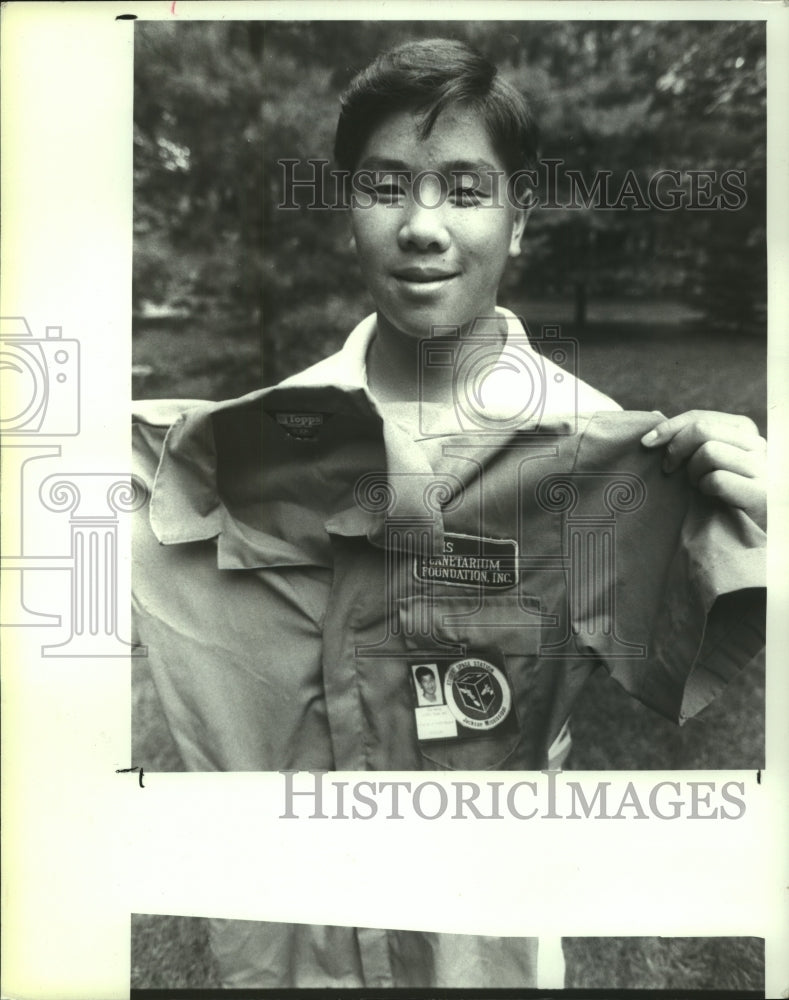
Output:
(467, 659)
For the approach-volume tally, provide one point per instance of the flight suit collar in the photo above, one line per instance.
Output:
(186, 505)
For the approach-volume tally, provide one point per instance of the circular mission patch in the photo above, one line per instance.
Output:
(477, 693)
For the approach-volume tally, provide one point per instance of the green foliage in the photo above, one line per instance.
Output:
(645, 97)
(218, 104)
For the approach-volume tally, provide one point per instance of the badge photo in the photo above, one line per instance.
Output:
(465, 699)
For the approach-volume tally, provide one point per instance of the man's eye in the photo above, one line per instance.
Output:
(387, 192)
(466, 196)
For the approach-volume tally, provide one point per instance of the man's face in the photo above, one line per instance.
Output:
(428, 683)
(433, 253)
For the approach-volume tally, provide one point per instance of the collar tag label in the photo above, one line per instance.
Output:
(301, 426)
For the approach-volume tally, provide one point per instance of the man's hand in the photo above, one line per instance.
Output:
(724, 454)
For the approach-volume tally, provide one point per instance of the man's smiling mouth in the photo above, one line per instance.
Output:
(424, 275)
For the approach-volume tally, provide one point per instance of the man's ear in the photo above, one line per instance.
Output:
(518, 226)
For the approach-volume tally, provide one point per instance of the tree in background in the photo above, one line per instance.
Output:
(218, 104)
(633, 99)
(198, 167)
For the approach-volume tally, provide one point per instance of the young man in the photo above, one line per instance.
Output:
(438, 494)
(428, 689)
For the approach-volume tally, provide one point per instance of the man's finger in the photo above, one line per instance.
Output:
(664, 431)
(737, 491)
(740, 433)
(714, 455)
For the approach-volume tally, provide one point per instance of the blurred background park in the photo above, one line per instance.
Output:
(231, 293)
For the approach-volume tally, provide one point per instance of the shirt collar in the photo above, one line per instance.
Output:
(185, 502)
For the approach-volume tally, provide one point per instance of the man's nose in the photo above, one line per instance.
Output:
(424, 226)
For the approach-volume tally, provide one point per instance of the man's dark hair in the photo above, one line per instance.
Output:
(426, 77)
(422, 672)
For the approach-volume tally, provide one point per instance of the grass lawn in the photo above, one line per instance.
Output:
(172, 953)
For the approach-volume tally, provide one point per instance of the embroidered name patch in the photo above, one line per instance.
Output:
(302, 426)
(468, 560)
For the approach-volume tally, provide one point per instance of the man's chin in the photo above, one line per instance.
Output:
(430, 323)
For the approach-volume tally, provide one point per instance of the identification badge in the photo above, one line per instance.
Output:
(467, 699)
(302, 426)
(468, 560)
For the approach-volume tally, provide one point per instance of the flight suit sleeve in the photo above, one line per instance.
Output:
(689, 579)
(712, 622)
(152, 742)
(709, 620)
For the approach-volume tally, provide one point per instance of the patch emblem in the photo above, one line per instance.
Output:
(302, 426)
(477, 694)
(469, 699)
(468, 560)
